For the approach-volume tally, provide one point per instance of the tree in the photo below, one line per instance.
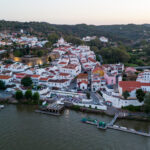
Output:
(88, 95)
(53, 38)
(114, 55)
(19, 95)
(126, 94)
(2, 85)
(36, 96)
(8, 61)
(28, 94)
(26, 81)
(74, 40)
(98, 58)
(95, 43)
(49, 59)
(140, 95)
(147, 50)
(48, 45)
(147, 102)
(18, 53)
(40, 53)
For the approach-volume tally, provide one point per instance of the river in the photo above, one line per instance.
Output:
(23, 129)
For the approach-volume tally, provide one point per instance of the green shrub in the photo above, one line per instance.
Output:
(133, 108)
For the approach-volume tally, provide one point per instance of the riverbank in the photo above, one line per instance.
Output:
(130, 116)
(107, 113)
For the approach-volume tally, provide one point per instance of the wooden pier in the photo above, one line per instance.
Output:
(113, 120)
(52, 109)
(47, 113)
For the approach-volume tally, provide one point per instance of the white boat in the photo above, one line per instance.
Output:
(1, 106)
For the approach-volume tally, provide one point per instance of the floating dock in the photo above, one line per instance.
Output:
(124, 129)
(47, 113)
(103, 125)
(51, 109)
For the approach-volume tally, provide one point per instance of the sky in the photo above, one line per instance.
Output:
(98, 12)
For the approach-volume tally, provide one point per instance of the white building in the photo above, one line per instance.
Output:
(88, 38)
(103, 39)
(132, 86)
(119, 102)
(72, 69)
(59, 83)
(5, 78)
(144, 77)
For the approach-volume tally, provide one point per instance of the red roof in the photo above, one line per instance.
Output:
(20, 74)
(97, 81)
(6, 66)
(53, 72)
(35, 76)
(85, 82)
(92, 60)
(59, 81)
(82, 75)
(3, 77)
(44, 79)
(61, 63)
(70, 66)
(131, 85)
(64, 74)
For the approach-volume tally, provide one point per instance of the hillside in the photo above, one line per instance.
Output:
(124, 33)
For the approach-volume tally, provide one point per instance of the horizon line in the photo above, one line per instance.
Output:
(76, 23)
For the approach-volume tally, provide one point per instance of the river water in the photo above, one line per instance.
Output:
(23, 129)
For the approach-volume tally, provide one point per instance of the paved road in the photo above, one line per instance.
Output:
(95, 98)
(142, 67)
(73, 84)
(5, 95)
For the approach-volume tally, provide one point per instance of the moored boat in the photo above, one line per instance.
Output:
(1, 106)
(89, 121)
(102, 125)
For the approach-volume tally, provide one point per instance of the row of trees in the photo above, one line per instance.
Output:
(115, 32)
(74, 40)
(28, 96)
(34, 51)
(114, 55)
(140, 95)
(147, 103)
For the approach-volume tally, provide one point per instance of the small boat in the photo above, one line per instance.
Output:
(1, 106)
(102, 125)
(89, 121)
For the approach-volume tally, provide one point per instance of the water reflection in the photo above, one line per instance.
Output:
(23, 129)
(67, 112)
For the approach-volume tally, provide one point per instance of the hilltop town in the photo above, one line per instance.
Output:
(74, 75)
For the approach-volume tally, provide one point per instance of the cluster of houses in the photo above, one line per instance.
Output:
(90, 38)
(23, 39)
(78, 65)
(115, 96)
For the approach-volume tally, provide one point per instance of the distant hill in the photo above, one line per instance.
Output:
(125, 33)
